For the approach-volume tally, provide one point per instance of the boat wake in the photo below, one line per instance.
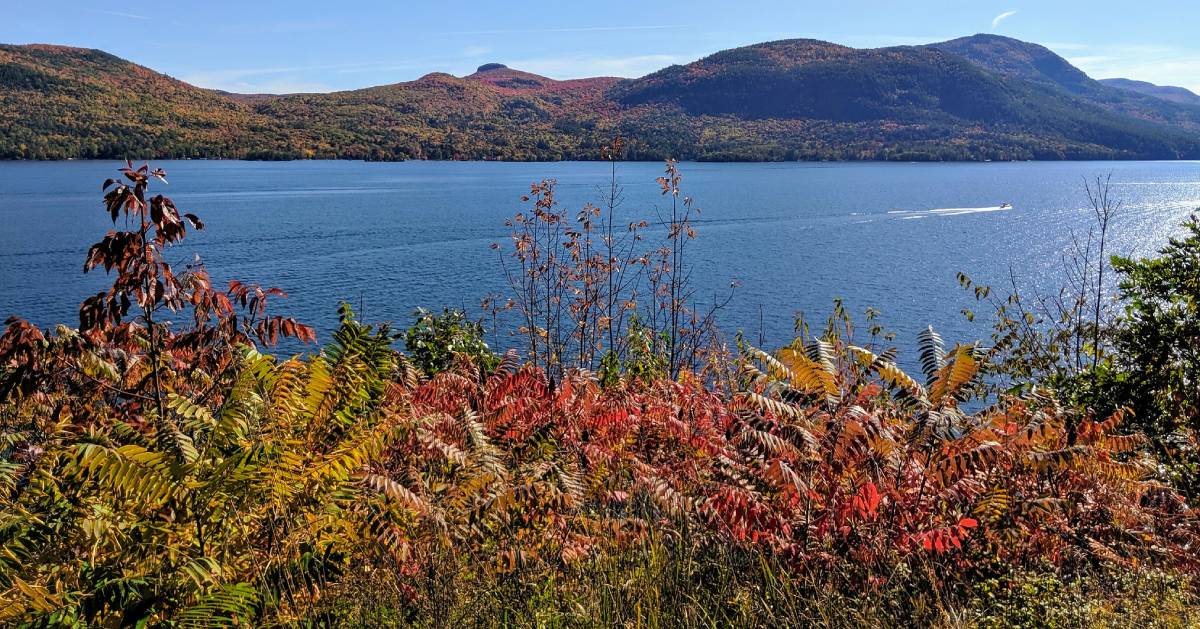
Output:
(951, 211)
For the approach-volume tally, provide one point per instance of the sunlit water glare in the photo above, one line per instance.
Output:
(394, 236)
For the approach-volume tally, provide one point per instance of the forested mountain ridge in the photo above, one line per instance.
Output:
(981, 97)
(59, 102)
(1037, 64)
(1166, 92)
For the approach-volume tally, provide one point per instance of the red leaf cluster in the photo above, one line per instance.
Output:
(861, 479)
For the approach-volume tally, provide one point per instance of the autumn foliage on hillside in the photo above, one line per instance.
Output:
(969, 99)
(159, 475)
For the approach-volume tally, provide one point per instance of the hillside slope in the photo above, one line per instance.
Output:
(1039, 65)
(976, 98)
(1180, 95)
(495, 113)
(808, 79)
(57, 102)
(912, 98)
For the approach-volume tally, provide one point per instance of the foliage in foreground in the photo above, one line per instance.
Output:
(1159, 348)
(1136, 350)
(309, 476)
(161, 476)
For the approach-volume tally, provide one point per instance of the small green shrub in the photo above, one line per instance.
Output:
(1108, 598)
(434, 340)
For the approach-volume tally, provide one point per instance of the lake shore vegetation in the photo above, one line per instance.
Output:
(629, 465)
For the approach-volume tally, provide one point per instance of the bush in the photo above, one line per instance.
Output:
(160, 476)
(1156, 346)
(1108, 598)
(433, 341)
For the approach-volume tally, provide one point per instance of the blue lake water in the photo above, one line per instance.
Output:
(395, 236)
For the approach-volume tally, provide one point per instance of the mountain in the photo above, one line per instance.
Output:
(1023, 60)
(507, 80)
(981, 97)
(1171, 93)
(1039, 65)
(57, 102)
(808, 79)
(994, 101)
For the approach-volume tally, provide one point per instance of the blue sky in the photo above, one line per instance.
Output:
(302, 45)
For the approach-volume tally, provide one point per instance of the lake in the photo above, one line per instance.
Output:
(394, 236)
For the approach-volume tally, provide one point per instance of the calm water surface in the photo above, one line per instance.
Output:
(395, 236)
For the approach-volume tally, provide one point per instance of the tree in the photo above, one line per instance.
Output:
(1158, 344)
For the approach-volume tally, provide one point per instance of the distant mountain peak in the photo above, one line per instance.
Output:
(55, 51)
(1020, 59)
(798, 42)
(977, 97)
(56, 48)
(806, 79)
(981, 37)
(994, 40)
(436, 77)
(505, 78)
(1169, 93)
(782, 52)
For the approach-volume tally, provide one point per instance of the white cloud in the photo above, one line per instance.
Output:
(573, 29)
(282, 27)
(119, 14)
(292, 79)
(1157, 64)
(1000, 18)
(283, 85)
(1065, 46)
(1089, 61)
(903, 40)
(283, 80)
(588, 66)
